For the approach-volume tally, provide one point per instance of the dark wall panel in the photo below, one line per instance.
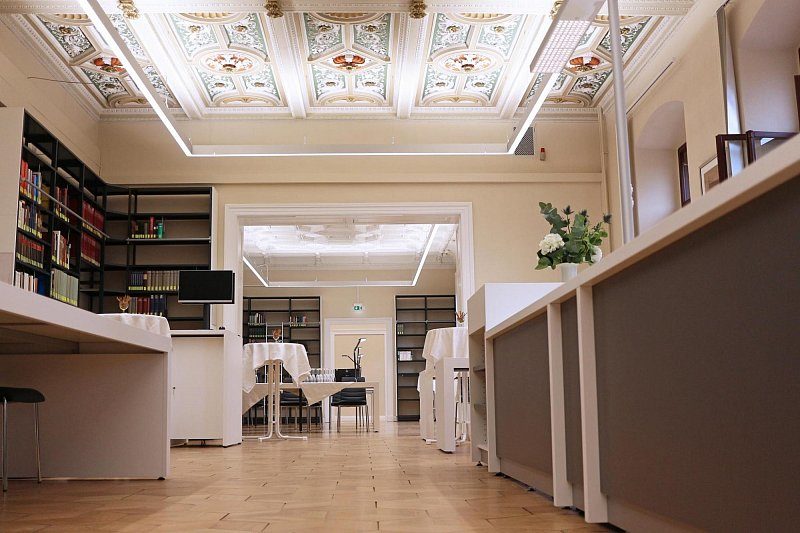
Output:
(522, 395)
(698, 362)
(572, 391)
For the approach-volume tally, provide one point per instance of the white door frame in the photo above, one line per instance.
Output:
(239, 215)
(354, 326)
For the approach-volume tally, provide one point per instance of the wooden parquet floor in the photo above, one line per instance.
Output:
(388, 481)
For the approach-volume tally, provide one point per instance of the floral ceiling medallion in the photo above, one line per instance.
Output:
(466, 62)
(349, 61)
(584, 63)
(228, 62)
(111, 65)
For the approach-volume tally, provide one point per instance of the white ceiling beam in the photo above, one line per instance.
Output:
(531, 39)
(290, 70)
(409, 70)
(150, 29)
(540, 7)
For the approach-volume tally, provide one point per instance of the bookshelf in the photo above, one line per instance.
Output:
(154, 233)
(67, 234)
(58, 243)
(415, 315)
(264, 314)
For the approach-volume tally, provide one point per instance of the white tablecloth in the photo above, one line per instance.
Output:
(318, 391)
(444, 342)
(255, 355)
(151, 323)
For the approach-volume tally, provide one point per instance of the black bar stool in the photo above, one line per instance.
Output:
(17, 395)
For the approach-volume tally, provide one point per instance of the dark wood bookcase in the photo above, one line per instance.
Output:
(264, 314)
(154, 233)
(59, 196)
(415, 316)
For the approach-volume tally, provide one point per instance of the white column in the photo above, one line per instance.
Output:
(621, 121)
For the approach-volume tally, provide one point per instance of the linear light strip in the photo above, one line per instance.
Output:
(107, 30)
(254, 271)
(425, 254)
(334, 284)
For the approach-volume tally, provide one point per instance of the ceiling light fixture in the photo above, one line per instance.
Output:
(106, 29)
(254, 271)
(425, 254)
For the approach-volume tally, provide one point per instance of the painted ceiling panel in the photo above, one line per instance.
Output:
(215, 63)
(467, 56)
(349, 58)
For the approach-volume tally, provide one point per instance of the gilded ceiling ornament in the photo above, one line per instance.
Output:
(417, 10)
(128, 8)
(556, 8)
(112, 65)
(273, 8)
(584, 63)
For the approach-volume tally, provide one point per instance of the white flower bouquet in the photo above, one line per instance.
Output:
(570, 240)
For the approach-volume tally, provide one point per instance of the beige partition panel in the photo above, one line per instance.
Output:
(522, 402)
(698, 375)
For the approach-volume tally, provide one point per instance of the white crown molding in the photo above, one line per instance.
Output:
(23, 29)
(288, 70)
(653, 8)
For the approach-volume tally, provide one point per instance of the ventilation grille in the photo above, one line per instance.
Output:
(525, 146)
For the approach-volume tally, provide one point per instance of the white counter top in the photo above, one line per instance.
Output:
(61, 328)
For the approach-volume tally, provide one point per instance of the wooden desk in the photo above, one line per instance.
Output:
(106, 384)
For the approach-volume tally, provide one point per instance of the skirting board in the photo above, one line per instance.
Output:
(541, 481)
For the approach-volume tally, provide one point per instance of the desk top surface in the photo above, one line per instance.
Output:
(35, 324)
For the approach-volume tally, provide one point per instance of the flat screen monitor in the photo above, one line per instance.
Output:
(206, 287)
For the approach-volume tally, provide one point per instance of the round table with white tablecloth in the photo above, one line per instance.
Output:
(440, 343)
(255, 355)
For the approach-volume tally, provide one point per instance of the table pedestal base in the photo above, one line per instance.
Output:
(274, 368)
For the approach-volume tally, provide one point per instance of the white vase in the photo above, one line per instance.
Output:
(568, 271)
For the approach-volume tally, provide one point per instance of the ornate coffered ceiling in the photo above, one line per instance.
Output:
(236, 61)
(586, 77)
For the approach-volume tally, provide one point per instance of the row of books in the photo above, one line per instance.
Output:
(147, 229)
(30, 252)
(154, 280)
(149, 305)
(94, 220)
(61, 249)
(90, 249)
(30, 183)
(28, 282)
(64, 287)
(29, 218)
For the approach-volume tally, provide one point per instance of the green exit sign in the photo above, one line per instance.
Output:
(358, 307)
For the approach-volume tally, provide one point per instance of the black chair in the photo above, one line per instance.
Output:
(290, 400)
(351, 397)
(17, 395)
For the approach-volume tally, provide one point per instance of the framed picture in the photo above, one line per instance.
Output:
(709, 175)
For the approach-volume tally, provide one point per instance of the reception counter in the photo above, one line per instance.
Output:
(106, 413)
(658, 390)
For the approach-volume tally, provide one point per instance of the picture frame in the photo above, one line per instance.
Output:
(709, 175)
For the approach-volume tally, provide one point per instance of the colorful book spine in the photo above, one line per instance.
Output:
(155, 304)
(60, 249)
(28, 282)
